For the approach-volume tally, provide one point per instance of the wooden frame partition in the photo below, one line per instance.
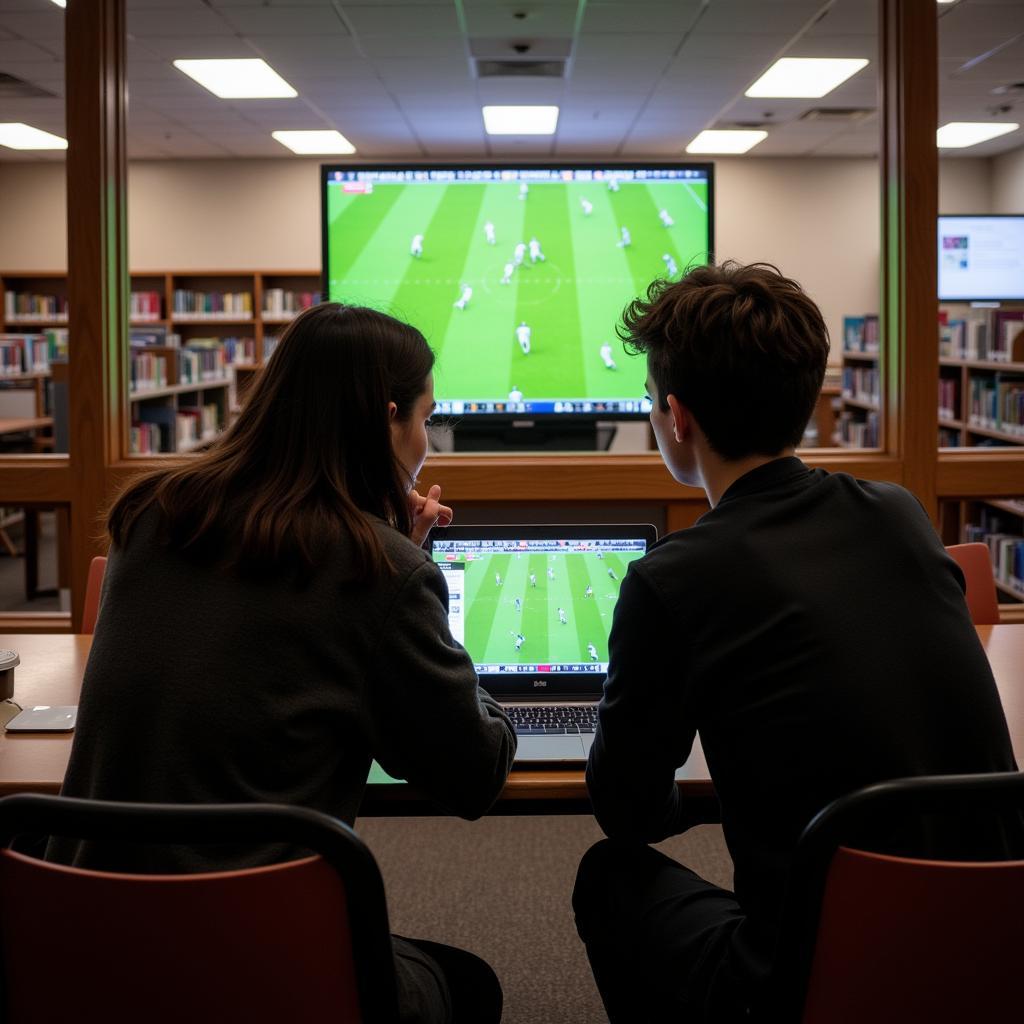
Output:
(96, 466)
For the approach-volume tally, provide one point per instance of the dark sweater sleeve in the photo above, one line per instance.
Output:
(430, 721)
(645, 730)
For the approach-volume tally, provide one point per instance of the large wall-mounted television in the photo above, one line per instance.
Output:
(981, 258)
(517, 275)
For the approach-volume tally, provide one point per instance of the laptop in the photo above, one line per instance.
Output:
(533, 607)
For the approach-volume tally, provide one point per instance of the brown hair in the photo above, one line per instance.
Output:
(308, 458)
(742, 347)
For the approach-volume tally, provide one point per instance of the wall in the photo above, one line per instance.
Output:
(817, 219)
(1008, 182)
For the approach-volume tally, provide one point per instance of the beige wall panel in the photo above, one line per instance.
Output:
(33, 217)
(1008, 182)
(965, 185)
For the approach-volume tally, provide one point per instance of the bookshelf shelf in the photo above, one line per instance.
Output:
(998, 435)
(860, 403)
(867, 357)
(999, 524)
(141, 394)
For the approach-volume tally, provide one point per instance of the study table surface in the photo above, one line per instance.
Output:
(51, 673)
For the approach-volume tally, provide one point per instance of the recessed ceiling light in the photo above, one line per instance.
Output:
(725, 141)
(238, 79)
(61, 3)
(520, 120)
(960, 134)
(805, 76)
(16, 135)
(315, 142)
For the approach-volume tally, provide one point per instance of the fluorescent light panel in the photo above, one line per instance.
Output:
(15, 135)
(243, 79)
(61, 3)
(725, 141)
(961, 134)
(308, 142)
(520, 120)
(805, 76)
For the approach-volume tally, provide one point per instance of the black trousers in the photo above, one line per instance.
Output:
(444, 985)
(658, 938)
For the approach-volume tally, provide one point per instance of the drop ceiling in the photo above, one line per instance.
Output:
(398, 78)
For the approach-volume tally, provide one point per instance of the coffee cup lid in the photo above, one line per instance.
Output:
(8, 659)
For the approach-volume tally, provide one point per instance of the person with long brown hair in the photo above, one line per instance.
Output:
(270, 624)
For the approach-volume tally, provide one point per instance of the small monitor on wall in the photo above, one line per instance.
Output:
(981, 258)
(517, 275)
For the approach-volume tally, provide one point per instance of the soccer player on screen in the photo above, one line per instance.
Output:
(670, 265)
(561, 616)
(611, 572)
(533, 580)
(489, 233)
(624, 238)
(523, 333)
(588, 207)
(666, 218)
(515, 395)
(497, 579)
(519, 639)
(518, 602)
(606, 357)
(551, 573)
(535, 252)
(524, 190)
(589, 592)
(416, 246)
(592, 651)
(463, 299)
(613, 184)
(507, 276)
(520, 252)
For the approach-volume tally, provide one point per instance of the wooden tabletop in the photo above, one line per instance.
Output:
(51, 671)
(12, 425)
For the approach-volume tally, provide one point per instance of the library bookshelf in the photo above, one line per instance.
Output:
(860, 397)
(998, 523)
(196, 338)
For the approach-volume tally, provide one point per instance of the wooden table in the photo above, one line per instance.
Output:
(51, 673)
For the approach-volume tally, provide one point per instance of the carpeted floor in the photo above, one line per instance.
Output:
(501, 887)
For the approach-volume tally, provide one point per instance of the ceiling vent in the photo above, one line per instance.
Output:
(837, 115)
(490, 68)
(12, 88)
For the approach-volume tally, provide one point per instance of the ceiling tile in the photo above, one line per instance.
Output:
(36, 24)
(670, 18)
(193, 21)
(285, 21)
(541, 22)
(16, 51)
(446, 47)
(198, 46)
(383, 20)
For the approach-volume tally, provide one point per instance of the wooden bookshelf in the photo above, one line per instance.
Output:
(999, 523)
(860, 397)
(189, 308)
(981, 366)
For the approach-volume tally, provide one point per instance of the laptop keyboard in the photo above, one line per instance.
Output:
(552, 719)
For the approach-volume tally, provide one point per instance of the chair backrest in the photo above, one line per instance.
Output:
(872, 937)
(976, 563)
(301, 941)
(93, 589)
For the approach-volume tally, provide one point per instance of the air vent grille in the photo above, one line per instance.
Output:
(12, 88)
(486, 68)
(837, 115)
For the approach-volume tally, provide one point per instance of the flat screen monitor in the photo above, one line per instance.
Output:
(981, 258)
(517, 275)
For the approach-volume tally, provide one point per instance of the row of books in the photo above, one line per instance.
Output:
(146, 306)
(202, 362)
(997, 403)
(280, 301)
(148, 371)
(949, 403)
(854, 432)
(30, 306)
(985, 335)
(24, 353)
(861, 383)
(214, 305)
(860, 333)
(1002, 533)
(197, 424)
(145, 438)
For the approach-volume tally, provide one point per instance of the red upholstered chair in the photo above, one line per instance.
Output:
(93, 588)
(895, 940)
(301, 941)
(976, 563)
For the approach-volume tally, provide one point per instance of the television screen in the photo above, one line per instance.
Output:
(981, 258)
(516, 276)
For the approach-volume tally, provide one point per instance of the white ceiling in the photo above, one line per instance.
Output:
(395, 75)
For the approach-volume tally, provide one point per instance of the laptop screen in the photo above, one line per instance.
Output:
(533, 604)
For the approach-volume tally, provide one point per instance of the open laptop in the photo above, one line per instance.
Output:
(533, 607)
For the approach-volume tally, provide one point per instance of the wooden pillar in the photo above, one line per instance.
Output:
(97, 266)
(908, 107)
